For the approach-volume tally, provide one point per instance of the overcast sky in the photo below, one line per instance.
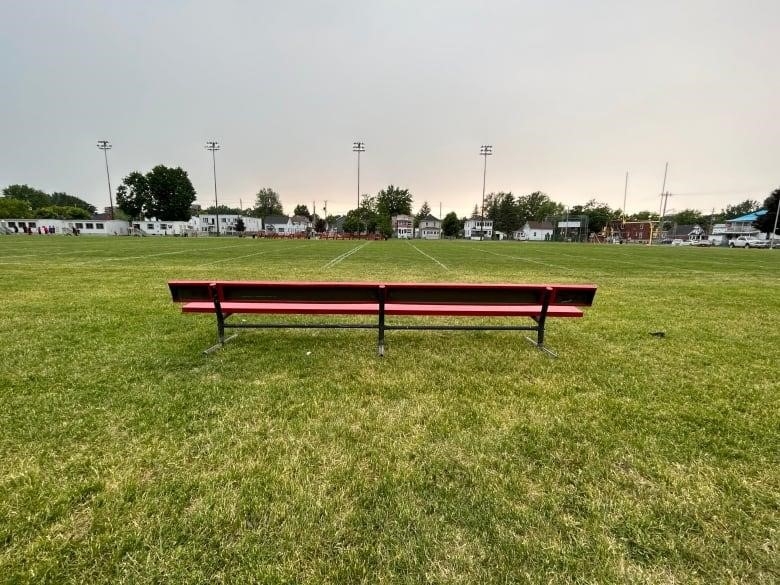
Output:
(571, 94)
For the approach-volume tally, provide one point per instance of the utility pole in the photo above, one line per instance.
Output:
(662, 209)
(358, 147)
(105, 146)
(774, 229)
(213, 146)
(486, 150)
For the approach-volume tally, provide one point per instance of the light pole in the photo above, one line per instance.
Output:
(485, 151)
(774, 229)
(213, 146)
(105, 146)
(358, 147)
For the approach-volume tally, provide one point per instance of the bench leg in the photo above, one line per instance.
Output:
(381, 327)
(222, 340)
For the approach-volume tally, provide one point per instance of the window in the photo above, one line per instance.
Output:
(90, 226)
(79, 226)
(150, 226)
(31, 224)
(11, 224)
(99, 226)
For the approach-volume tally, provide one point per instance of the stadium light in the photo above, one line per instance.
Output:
(358, 147)
(213, 146)
(486, 150)
(105, 146)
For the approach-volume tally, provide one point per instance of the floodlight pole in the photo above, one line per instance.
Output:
(213, 146)
(486, 150)
(358, 147)
(774, 229)
(105, 146)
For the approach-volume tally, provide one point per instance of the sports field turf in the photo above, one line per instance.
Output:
(299, 456)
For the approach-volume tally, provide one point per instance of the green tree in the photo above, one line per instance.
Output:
(353, 222)
(599, 215)
(450, 225)
(425, 211)
(240, 227)
(133, 196)
(63, 199)
(503, 210)
(688, 217)
(319, 225)
(62, 212)
(34, 197)
(223, 210)
(740, 209)
(267, 203)
(165, 193)
(302, 210)
(766, 222)
(172, 193)
(12, 208)
(536, 206)
(643, 216)
(394, 201)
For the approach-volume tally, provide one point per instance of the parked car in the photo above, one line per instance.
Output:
(748, 242)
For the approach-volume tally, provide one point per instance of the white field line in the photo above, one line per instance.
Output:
(428, 256)
(343, 256)
(230, 259)
(529, 260)
(99, 260)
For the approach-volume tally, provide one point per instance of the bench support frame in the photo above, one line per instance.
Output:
(381, 325)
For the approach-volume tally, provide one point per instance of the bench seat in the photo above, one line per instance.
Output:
(396, 309)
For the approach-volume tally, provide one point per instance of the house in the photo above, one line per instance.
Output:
(742, 225)
(631, 231)
(535, 231)
(403, 226)
(111, 227)
(278, 224)
(300, 223)
(473, 229)
(430, 228)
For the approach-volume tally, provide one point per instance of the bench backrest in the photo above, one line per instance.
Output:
(402, 292)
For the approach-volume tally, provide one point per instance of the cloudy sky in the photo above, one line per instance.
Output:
(571, 94)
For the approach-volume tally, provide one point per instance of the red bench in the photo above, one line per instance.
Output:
(535, 301)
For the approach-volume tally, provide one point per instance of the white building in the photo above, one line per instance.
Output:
(535, 231)
(430, 228)
(403, 226)
(110, 227)
(207, 224)
(473, 230)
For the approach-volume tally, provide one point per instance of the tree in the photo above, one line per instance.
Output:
(133, 196)
(223, 210)
(11, 208)
(302, 210)
(172, 193)
(425, 211)
(64, 199)
(643, 216)
(34, 197)
(599, 215)
(536, 206)
(62, 212)
(394, 201)
(688, 217)
(240, 227)
(503, 210)
(353, 223)
(740, 209)
(766, 222)
(319, 225)
(165, 193)
(450, 225)
(267, 202)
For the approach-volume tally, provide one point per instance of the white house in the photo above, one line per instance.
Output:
(207, 224)
(430, 228)
(278, 224)
(473, 230)
(535, 231)
(403, 226)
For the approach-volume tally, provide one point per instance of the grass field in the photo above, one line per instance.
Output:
(299, 456)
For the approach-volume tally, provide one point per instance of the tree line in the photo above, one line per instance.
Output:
(23, 201)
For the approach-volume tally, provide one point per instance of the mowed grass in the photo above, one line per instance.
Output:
(299, 456)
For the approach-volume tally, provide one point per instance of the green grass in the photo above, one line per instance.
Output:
(126, 456)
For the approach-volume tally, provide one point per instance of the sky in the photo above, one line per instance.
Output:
(572, 95)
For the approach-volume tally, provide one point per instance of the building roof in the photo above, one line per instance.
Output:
(429, 217)
(275, 219)
(300, 219)
(750, 217)
(540, 225)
